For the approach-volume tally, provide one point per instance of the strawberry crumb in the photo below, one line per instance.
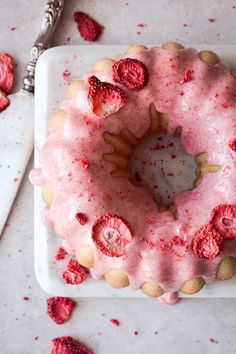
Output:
(13, 28)
(138, 32)
(65, 74)
(141, 25)
(186, 77)
(115, 322)
(25, 298)
(61, 252)
(211, 20)
(82, 218)
(136, 333)
(212, 340)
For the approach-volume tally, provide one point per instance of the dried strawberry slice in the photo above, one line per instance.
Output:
(73, 273)
(111, 234)
(87, 27)
(223, 219)
(4, 101)
(207, 242)
(68, 345)
(232, 144)
(60, 308)
(104, 98)
(6, 72)
(131, 73)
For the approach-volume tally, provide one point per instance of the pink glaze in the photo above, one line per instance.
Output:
(205, 107)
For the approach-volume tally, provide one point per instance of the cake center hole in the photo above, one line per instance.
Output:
(227, 222)
(160, 164)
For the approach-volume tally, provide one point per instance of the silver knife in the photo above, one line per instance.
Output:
(17, 121)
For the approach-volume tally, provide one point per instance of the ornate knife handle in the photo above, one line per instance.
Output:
(52, 13)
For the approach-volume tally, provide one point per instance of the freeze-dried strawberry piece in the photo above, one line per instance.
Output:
(111, 234)
(232, 144)
(186, 77)
(73, 273)
(207, 242)
(4, 101)
(131, 73)
(60, 254)
(223, 219)
(68, 345)
(87, 27)
(60, 308)
(82, 218)
(104, 98)
(178, 246)
(6, 72)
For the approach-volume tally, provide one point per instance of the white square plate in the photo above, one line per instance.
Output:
(49, 92)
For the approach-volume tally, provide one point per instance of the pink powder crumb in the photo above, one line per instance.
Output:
(13, 28)
(36, 338)
(115, 322)
(185, 25)
(25, 298)
(15, 179)
(136, 333)
(138, 32)
(211, 20)
(212, 340)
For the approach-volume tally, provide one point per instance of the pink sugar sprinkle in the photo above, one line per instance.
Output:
(211, 20)
(115, 322)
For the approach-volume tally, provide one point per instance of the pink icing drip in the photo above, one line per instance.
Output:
(207, 126)
(169, 298)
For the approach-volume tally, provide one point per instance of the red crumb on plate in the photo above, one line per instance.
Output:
(13, 28)
(136, 333)
(212, 340)
(211, 19)
(115, 322)
(61, 252)
(138, 32)
(25, 298)
(74, 273)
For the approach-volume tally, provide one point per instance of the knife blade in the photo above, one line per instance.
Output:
(17, 121)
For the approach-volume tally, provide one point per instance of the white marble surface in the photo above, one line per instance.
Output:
(185, 328)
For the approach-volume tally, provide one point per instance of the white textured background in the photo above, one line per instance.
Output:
(183, 329)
